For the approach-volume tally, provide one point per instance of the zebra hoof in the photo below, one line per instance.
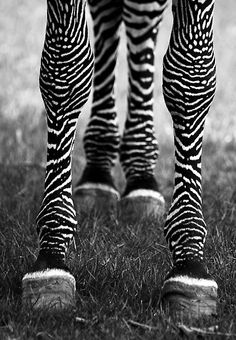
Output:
(141, 203)
(51, 289)
(184, 297)
(97, 197)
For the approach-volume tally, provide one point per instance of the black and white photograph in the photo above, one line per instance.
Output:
(117, 169)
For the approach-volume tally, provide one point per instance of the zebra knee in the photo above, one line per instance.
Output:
(67, 61)
(189, 71)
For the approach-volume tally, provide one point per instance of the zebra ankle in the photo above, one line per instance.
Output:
(143, 181)
(96, 174)
(192, 268)
(48, 260)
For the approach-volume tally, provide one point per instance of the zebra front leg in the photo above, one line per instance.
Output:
(65, 82)
(189, 86)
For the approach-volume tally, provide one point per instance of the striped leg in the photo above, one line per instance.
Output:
(189, 87)
(101, 142)
(139, 148)
(65, 82)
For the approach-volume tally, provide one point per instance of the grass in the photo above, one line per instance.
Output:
(119, 268)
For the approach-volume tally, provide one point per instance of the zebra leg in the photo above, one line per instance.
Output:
(65, 83)
(139, 148)
(189, 85)
(96, 188)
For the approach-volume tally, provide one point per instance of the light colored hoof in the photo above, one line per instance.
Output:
(52, 289)
(140, 204)
(185, 297)
(96, 197)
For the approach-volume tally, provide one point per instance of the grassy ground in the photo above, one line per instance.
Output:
(118, 267)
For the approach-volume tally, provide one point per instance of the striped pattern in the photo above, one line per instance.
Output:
(189, 87)
(139, 150)
(101, 140)
(65, 82)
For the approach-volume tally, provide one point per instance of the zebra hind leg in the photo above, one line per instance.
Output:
(65, 83)
(189, 87)
(139, 148)
(96, 190)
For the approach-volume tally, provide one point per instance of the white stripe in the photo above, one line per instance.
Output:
(192, 281)
(47, 274)
(99, 186)
(146, 193)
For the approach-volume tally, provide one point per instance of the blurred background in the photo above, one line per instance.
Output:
(22, 119)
